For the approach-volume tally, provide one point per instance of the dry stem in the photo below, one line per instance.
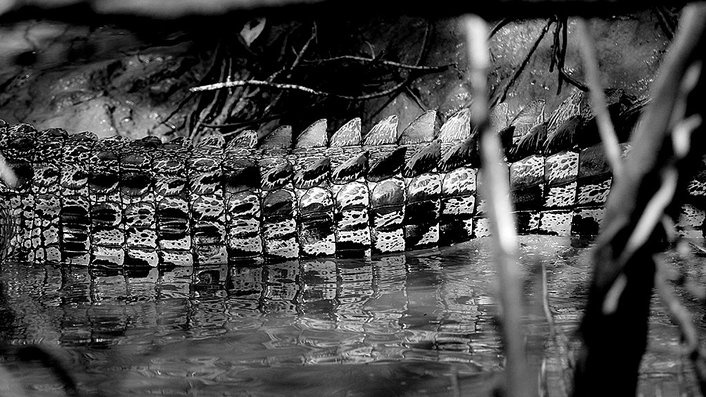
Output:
(502, 221)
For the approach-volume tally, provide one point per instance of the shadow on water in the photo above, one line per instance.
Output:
(420, 323)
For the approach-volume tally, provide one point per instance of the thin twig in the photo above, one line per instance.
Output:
(205, 114)
(502, 221)
(381, 62)
(236, 103)
(664, 22)
(176, 110)
(291, 87)
(524, 63)
(562, 52)
(291, 68)
(499, 26)
(559, 48)
(416, 98)
(555, 44)
(571, 80)
(305, 47)
(408, 79)
(611, 146)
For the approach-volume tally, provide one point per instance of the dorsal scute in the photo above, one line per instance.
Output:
(530, 144)
(314, 136)
(527, 118)
(564, 136)
(276, 174)
(246, 139)
(421, 130)
(383, 133)
(21, 129)
(463, 154)
(388, 166)
(178, 144)
(180, 140)
(576, 104)
(280, 138)
(505, 135)
(351, 169)
(84, 136)
(347, 135)
(152, 141)
(457, 127)
(424, 160)
(58, 133)
(109, 140)
(312, 174)
(214, 140)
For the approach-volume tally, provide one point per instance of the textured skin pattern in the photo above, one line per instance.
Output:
(117, 203)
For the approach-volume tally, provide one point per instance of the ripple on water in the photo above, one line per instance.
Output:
(422, 321)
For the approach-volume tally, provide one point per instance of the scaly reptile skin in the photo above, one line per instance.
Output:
(114, 202)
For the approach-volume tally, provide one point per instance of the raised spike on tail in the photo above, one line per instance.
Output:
(388, 166)
(456, 128)
(464, 154)
(351, 169)
(383, 133)
(421, 130)
(280, 138)
(424, 160)
(314, 136)
(348, 135)
(246, 139)
(313, 174)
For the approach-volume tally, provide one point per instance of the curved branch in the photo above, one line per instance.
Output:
(382, 62)
(291, 87)
(499, 26)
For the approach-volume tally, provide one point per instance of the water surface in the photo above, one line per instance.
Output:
(421, 323)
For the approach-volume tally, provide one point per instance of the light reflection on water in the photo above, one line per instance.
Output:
(415, 324)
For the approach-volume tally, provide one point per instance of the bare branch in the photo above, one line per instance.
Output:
(298, 59)
(292, 87)
(381, 62)
(615, 324)
(408, 79)
(571, 80)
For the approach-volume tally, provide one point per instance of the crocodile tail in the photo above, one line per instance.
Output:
(120, 203)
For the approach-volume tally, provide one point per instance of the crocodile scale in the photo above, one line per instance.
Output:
(119, 203)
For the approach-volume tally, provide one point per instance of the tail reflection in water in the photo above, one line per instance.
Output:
(421, 321)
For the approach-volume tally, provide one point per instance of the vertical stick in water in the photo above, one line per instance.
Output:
(614, 329)
(497, 193)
